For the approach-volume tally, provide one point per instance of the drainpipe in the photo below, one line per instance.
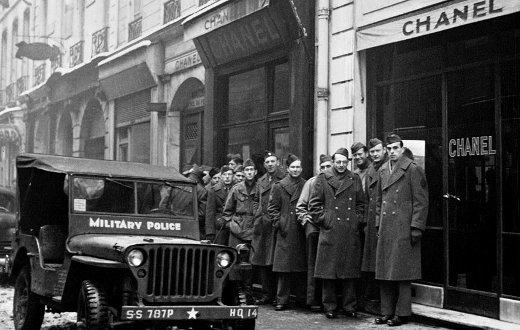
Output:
(321, 115)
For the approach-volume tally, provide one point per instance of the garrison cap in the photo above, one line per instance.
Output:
(341, 151)
(268, 154)
(291, 159)
(225, 168)
(239, 168)
(358, 145)
(393, 138)
(325, 158)
(374, 142)
(248, 163)
(213, 171)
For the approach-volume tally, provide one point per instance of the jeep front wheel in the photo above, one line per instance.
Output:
(27, 310)
(93, 311)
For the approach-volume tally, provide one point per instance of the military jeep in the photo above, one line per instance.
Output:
(118, 243)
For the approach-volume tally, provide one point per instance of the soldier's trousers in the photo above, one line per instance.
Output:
(288, 282)
(268, 279)
(313, 283)
(348, 290)
(396, 298)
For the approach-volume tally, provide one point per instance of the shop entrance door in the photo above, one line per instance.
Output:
(471, 195)
(191, 131)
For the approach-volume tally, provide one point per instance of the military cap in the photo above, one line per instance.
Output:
(325, 158)
(393, 138)
(341, 151)
(268, 154)
(248, 163)
(358, 145)
(374, 142)
(239, 168)
(213, 171)
(225, 168)
(291, 159)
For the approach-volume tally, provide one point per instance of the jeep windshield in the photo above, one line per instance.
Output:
(107, 195)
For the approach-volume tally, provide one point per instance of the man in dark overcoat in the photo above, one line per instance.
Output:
(338, 205)
(239, 212)
(263, 234)
(312, 232)
(289, 261)
(216, 230)
(402, 209)
(370, 293)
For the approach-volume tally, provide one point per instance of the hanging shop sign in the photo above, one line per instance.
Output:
(438, 19)
(471, 146)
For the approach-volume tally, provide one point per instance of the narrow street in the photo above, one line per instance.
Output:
(268, 319)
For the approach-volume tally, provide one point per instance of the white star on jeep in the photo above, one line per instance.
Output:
(192, 314)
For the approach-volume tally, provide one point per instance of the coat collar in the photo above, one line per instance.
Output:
(389, 178)
(292, 187)
(264, 184)
(338, 185)
(241, 188)
(372, 175)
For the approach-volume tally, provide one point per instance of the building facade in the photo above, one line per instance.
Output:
(445, 76)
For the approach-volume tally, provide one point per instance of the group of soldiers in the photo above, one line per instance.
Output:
(350, 235)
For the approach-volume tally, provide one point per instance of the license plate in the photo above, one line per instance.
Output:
(188, 312)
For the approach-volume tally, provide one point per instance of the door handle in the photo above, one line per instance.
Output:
(447, 196)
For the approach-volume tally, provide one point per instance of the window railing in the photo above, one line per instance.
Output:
(76, 54)
(9, 93)
(39, 74)
(172, 10)
(56, 62)
(22, 84)
(100, 41)
(135, 29)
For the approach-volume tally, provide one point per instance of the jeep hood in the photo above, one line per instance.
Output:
(113, 247)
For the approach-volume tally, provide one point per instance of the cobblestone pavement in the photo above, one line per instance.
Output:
(267, 319)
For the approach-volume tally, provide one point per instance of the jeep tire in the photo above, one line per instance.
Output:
(28, 311)
(93, 311)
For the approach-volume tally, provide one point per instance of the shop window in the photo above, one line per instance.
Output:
(68, 18)
(133, 143)
(257, 111)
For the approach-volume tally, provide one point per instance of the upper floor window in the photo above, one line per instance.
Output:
(172, 10)
(68, 18)
(137, 8)
(14, 41)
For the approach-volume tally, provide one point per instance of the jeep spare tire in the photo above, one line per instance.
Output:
(93, 311)
(27, 310)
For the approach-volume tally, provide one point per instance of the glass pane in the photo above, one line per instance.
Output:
(282, 90)
(247, 140)
(160, 198)
(247, 97)
(98, 195)
(472, 202)
(6, 202)
(281, 142)
(140, 144)
(511, 265)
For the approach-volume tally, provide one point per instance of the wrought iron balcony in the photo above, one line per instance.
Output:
(135, 29)
(56, 62)
(39, 74)
(22, 84)
(100, 41)
(76, 54)
(172, 10)
(9, 93)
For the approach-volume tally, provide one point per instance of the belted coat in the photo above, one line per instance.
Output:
(217, 195)
(368, 263)
(402, 204)
(338, 205)
(290, 248)
(263, 233)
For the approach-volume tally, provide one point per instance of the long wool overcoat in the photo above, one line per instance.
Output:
(402, 204)
(338, 206)
(289, 250)
(263, 233)
(239, 212)
(369, 249)
(214, 207)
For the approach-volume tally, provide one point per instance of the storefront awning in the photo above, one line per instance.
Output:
(235, 29)
(445, 16)
(8, 134)
(131, 80)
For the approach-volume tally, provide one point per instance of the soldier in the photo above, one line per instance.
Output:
(215, 225)
(263, 236)
(311, 233)
(337, 206)
(239, 213)
(238, 174)
(361, 160)
(370, 291)
(289, 261)
(402, 209)
(235, 161)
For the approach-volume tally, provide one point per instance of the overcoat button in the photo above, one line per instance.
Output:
(348, 219)
(393, 212)
(350, 199)
(384, 213)
(395, 202)
(348, 208)
(339, 218)
(336, 207)
(397, 190)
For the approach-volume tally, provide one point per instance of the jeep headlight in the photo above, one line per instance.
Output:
(224, 259)
(135, 258)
